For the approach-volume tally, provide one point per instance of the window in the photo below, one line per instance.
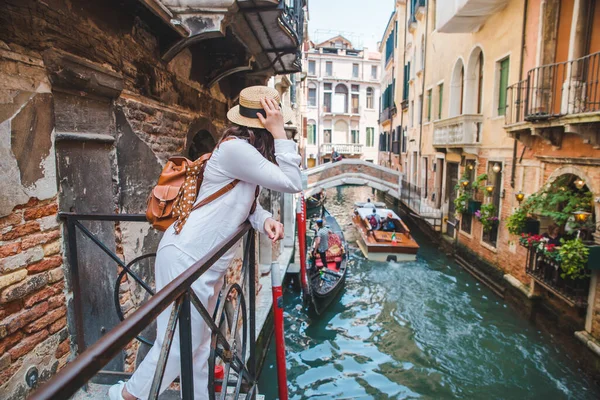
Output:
(355, 88)
(311, 134)
(354, 139)
(312, 96)
(502, 85)
(355, 70)
(326, 135)
(328, 68)
(429, 105)
(422, 52)
(411, 120)
(374, 72)
(420, 109)
(312, 69)
(327, 97)
(480, 85)
(370, 137)
(354, 103)
(369, 97)
(340, 101)
(406, 79)
(440, 100)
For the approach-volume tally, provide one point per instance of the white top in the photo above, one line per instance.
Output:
(382, 212)
(208, 226)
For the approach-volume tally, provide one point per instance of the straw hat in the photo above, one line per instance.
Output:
(245, 113)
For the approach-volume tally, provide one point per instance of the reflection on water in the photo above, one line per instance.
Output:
(422, 329)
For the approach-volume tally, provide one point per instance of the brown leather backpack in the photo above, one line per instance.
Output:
(172, 199)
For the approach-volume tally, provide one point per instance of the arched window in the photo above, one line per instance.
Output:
(311, 132)
(456, 89)
(202, 143)
(370, 95)
(340, 100)
(474, 83)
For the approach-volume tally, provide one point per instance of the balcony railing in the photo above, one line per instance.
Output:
(555, 90)
(351, 148)
(386, 114)
(547, 273)
(463, 130)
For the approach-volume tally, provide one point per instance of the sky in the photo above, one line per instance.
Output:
(364, 19)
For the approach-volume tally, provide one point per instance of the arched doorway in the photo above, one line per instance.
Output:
(340, 132)
(201, 143)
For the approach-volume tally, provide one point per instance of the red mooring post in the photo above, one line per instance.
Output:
(301, 223)
(279, 337)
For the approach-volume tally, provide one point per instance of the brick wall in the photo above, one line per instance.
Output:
(32, 299)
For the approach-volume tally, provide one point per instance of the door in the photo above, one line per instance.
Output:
(451, 182)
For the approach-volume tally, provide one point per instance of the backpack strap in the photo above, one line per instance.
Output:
(217, 194)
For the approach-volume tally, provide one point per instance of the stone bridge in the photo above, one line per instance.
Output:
(353, 172)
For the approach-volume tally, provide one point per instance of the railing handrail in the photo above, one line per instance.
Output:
(562, 62)
(86, 365)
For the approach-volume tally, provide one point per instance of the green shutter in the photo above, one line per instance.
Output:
(311, 134)
(504, 67)
(440, 100)
(429, 105)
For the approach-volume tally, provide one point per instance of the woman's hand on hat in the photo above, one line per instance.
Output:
(273, 122)
(274, 229)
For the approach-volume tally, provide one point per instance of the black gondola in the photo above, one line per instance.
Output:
(324, 285)
(316, 201)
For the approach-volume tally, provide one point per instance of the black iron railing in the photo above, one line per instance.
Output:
(547, 273)
(230, 330)
(554, 90)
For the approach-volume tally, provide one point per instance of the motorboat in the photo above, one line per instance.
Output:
(395, 244)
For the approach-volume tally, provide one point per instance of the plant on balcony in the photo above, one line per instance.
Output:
(573, 259)
(487, 216)
(515, 223)
(528, 240)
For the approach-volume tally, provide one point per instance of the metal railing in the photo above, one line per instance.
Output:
(412, 196)
(555, 90)
(227, 343)
(547, 273)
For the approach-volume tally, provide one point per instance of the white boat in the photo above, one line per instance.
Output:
(377, 204)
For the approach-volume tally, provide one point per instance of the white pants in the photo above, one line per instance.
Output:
(171, 262)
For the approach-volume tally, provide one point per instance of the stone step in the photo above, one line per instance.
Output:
(100, 392)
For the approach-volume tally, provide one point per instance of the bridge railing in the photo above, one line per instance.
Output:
(227, 343)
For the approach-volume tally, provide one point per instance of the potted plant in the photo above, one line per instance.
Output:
(473, 206)
(487, 216)
(573, 259)
(461, 202)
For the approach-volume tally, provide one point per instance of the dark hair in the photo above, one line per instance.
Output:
(260, 138)
(320, 224)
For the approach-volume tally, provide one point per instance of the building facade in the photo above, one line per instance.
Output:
(342, 101)
(499, 104)
(94, 98)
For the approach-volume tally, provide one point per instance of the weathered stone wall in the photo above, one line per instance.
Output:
(113, 143)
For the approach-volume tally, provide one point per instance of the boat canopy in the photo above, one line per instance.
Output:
(382, 212)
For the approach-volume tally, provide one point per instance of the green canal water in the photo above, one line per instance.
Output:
(423, 329)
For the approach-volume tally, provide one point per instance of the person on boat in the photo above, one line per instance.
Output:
(388, 224)
(259, 155)
(374, 220)
(321, 244)
(553, 235)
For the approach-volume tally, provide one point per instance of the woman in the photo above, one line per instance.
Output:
(260, 155)
(553, 235)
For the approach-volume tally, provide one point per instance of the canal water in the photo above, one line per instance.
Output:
(423, 329)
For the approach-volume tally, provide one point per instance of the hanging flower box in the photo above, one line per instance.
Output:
(473, 206)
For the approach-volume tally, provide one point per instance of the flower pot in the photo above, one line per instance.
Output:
(473, 206)
(532, 226)
(594, 257)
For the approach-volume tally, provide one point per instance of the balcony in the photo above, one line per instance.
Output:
(566, 93)
(465, 16)
(547, 273)
(461, 131)
(227, 37)
(344, 149)
(387, 114)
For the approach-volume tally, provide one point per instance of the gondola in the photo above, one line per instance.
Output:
(325, 284)
(316, 201)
